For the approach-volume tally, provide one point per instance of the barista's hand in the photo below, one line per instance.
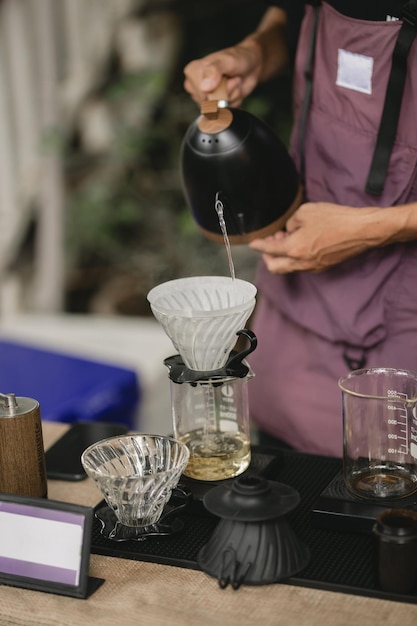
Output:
(260, 56)
(241, 64)
(320, 235)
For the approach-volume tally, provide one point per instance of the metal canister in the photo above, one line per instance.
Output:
(22, 454)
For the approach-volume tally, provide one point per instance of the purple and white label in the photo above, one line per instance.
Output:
(41, 543)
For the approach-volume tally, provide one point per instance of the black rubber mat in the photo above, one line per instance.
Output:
(340, 561)
(337, 509)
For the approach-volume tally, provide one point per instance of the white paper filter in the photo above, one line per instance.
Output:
(201, 315)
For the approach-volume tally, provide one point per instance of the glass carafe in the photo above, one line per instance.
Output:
(210, 412)
(212, 419)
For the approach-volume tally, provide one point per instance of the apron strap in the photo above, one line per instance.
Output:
(392, 105)
(308, 76)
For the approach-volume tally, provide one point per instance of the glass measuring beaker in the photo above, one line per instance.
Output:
(212, 418)
(380, 432)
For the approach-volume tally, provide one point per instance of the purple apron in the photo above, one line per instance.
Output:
(312, 328)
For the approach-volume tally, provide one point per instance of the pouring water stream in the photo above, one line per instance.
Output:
(218, 205)
(212, 442)
(210, 414)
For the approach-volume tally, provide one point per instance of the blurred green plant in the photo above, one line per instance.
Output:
(126, 212)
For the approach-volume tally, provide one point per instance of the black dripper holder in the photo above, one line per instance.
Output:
(234, 368)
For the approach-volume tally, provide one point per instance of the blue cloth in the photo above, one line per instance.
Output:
(69, 388)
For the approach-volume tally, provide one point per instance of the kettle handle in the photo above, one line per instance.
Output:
(220, 93)
(216, 99)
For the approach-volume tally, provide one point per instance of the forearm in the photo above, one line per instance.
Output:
(269, 41)
(392, 224)
(321, 234)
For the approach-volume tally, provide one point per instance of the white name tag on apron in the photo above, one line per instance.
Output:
(354, 71)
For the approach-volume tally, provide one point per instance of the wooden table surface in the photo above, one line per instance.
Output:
(138, 593)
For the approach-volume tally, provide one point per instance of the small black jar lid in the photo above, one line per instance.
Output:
(400, 523)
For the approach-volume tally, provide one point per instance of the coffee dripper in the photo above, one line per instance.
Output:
(203, 317)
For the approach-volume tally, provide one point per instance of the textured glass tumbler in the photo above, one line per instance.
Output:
(380, 432)
(136, 474)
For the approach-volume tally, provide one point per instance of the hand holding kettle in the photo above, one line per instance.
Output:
(228, 153)
(317, 235)
(320, 235)
(239, 64)
(257, 58)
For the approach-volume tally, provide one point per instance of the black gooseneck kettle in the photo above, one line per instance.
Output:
(229, 155)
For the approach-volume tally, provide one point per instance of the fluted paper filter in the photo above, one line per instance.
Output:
(201, 315)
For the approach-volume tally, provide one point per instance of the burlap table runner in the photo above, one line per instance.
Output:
(136, 593)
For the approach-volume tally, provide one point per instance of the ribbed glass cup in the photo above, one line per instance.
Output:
(136, 474)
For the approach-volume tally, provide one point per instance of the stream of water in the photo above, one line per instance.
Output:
(218, 205)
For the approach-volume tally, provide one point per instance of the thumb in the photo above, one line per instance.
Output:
(211, 78)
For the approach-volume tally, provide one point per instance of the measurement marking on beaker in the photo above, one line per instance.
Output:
(210, 407)
(400, 421)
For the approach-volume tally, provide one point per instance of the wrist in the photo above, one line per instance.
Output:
(253, 50)
(269, 44)
(394, 224)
